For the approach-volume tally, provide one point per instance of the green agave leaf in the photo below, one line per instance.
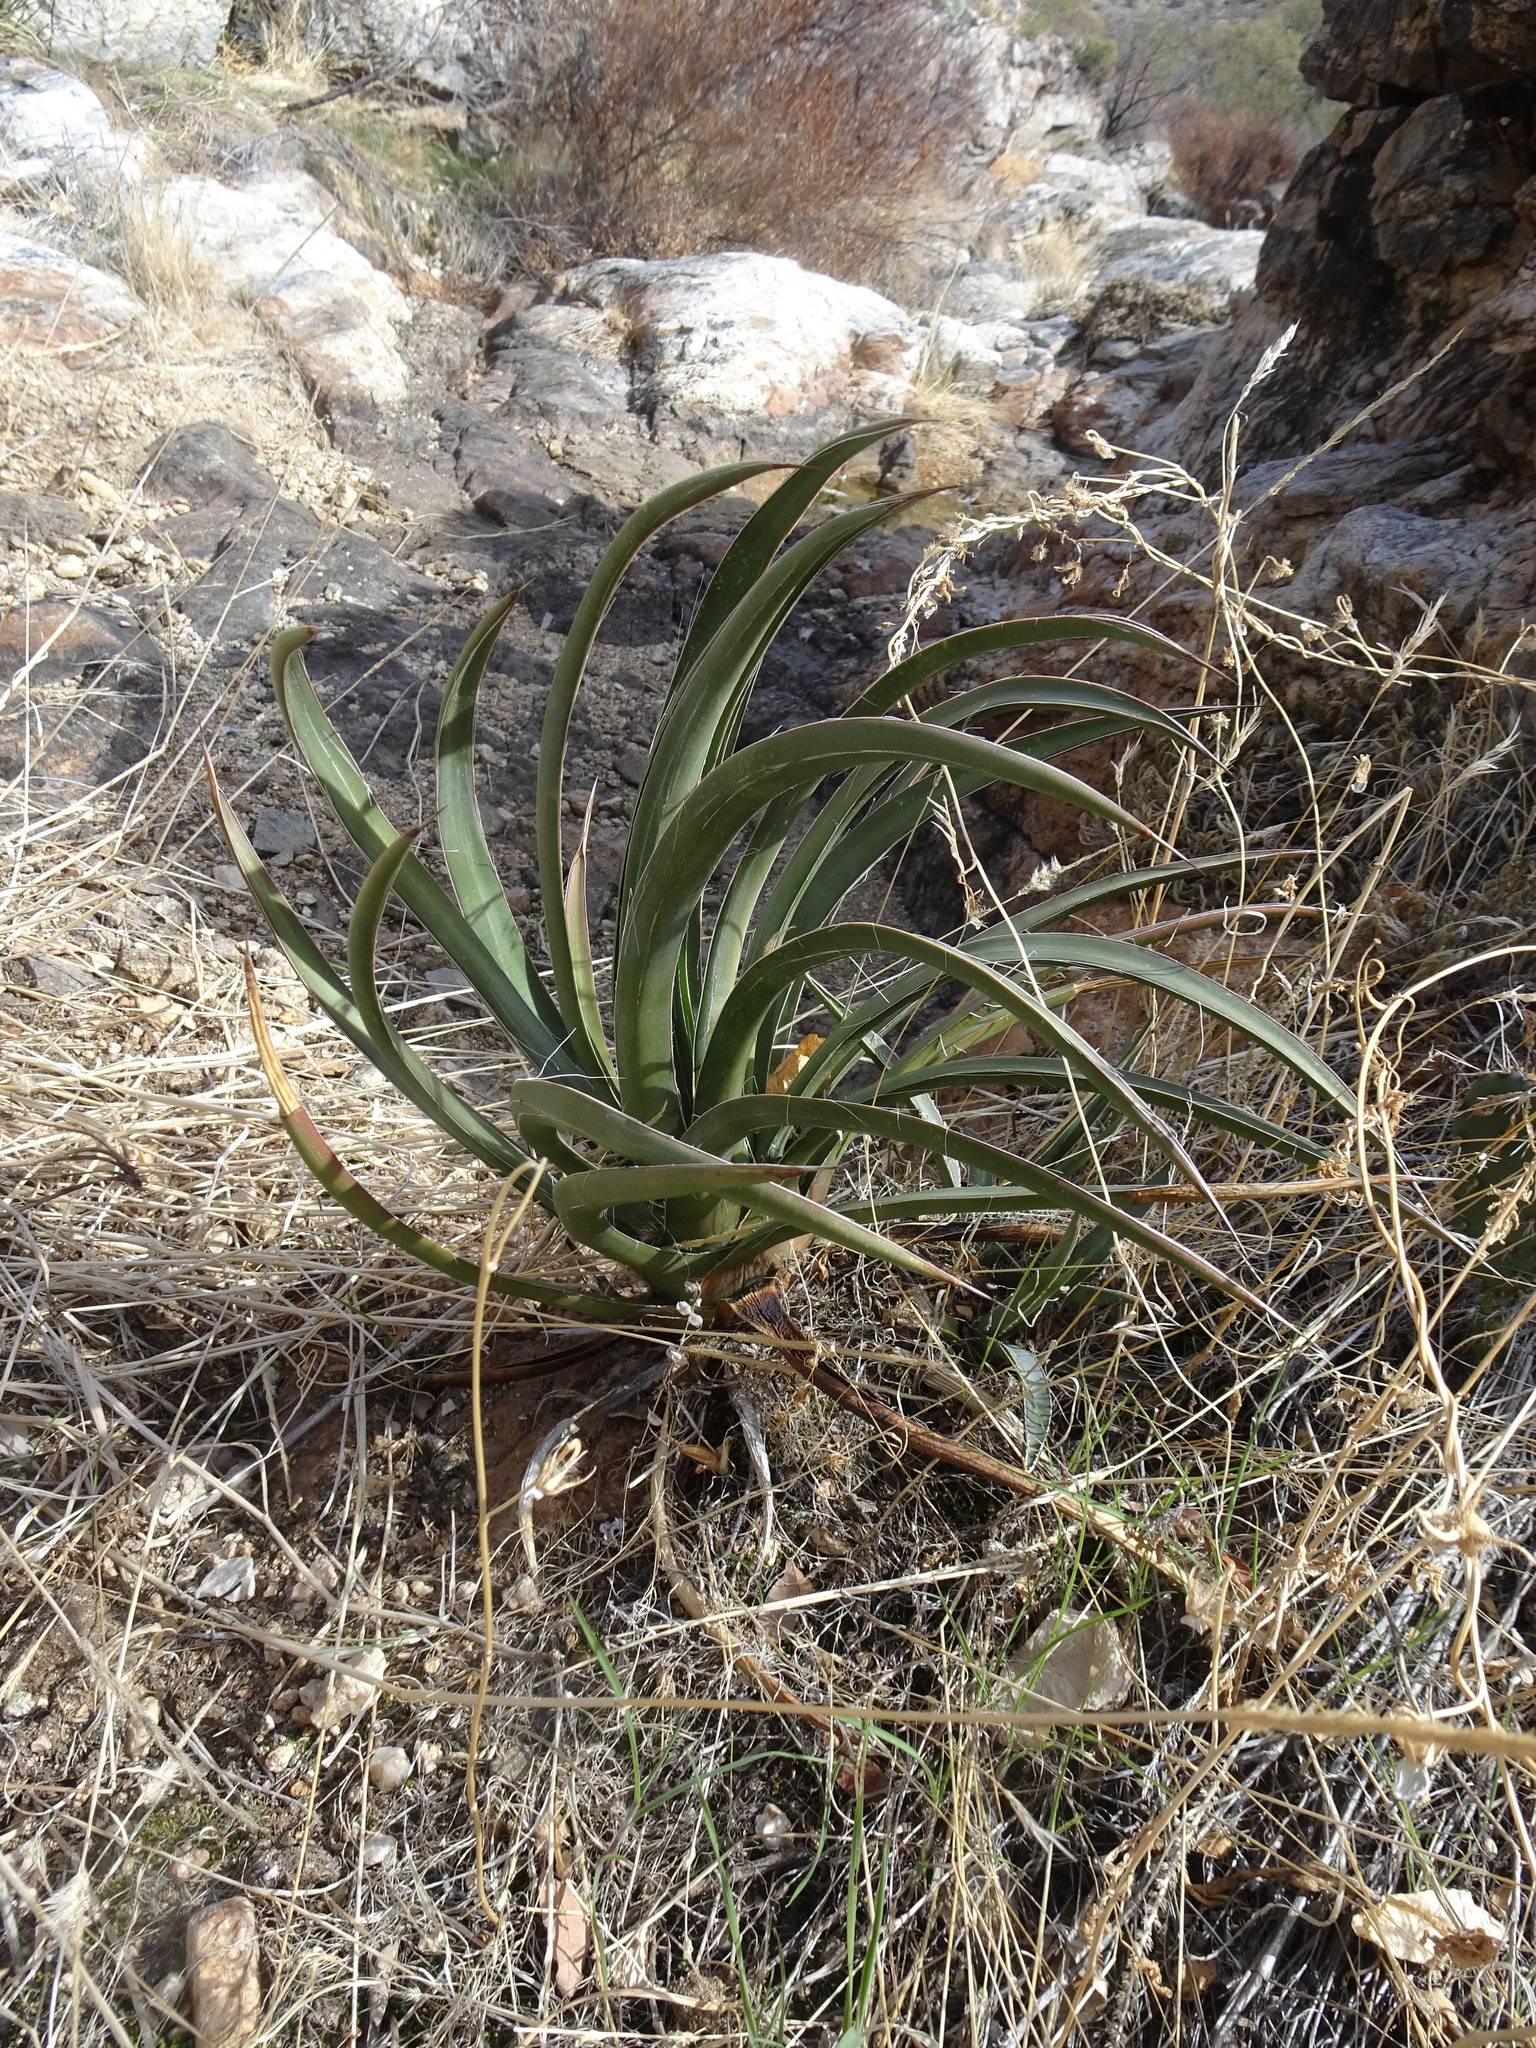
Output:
(725, 1126)
(565, 1109)
(579, 942)
(563, 689)
(328, 759)
(461, 830)
(709, 701)
(1134, 962)
(810, 867)
(1038, 1072)
(730, 796)
(766, 531)
(395, 1060)
(725, 1065)
(411, 1074)
(834, 855)
(943, 655)
(321, 1160)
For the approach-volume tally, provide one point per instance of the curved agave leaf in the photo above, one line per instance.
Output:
(566, 1109)
(563, 688)
(329, 760)
(318, 1156)
(727, 799)
(461, 829)
(725, 1064)
(394, 1059)
(766, 531)
(1129, 961)
(708, 704)
(725, 1126)
(1029, 1071)
(943, 655)
(410, 1073)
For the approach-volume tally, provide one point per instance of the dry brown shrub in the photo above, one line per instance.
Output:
(806, 128)
(1234, 166)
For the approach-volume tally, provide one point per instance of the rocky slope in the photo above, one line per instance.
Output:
(445, 454)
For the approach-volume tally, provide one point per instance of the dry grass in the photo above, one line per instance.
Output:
(1330, 1512)
(1058, 265)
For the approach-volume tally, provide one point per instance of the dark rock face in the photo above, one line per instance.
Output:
(1403, 254)
(1374, 50)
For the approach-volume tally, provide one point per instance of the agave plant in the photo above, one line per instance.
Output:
(678, 1139)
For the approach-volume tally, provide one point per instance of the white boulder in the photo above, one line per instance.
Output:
(162, 33)
(1220, 261)
(444, 43)
(1111, 184)
(268, 243)
(738, 332)
(1031, 94)
(53, 129)
(52, 300)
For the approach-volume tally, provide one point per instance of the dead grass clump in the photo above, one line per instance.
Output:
(807, 128)
(1057, 264)
(1235, 165)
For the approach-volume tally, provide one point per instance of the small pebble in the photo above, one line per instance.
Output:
(388, 1769)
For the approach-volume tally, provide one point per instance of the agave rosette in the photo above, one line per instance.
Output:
(676, 1140)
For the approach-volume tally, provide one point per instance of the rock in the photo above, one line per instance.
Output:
(34, 516)
(1030, 93)
(1111, 183)
(450, 48)
(223, 1973)
(1073, 1661)
(164, 34)
(377, 1851)
(346, 1691)
(53, 127)
(267, 243)
(280, 835)
(65, 980)
(1221, 262)
(1369, 50)
(738, 333)
(1124, 404)
(228, 1578)
(1401, 254)
(388, 1769)
(210, 466)
(53, 300)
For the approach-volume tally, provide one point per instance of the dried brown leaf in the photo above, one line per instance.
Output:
(572, 1933)
(1448, 1927)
